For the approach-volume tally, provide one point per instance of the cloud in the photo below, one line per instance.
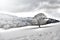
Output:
(17, 5)
(27, 5)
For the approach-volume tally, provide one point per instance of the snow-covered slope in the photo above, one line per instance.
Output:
(10, 21)
(47, 32)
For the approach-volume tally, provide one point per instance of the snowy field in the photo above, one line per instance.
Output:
(47, 32)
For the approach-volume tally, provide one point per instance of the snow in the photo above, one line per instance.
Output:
(47, 32)
(50, 31)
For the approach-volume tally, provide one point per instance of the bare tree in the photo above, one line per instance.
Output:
(40, 18)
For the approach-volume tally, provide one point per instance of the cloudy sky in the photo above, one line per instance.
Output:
(28, 5)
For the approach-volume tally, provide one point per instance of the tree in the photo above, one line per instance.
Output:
(40, 18)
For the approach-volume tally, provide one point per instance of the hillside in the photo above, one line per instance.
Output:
(47, 32)
(10, 21)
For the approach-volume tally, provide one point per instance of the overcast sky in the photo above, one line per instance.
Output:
(28, 5)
